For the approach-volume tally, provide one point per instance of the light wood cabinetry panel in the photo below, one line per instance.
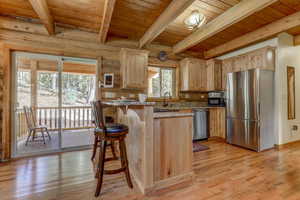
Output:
(173, 147)
(134, 68)
(193, 75)
(226, 68)
(214, 75)
(263, 58)
(217, 122)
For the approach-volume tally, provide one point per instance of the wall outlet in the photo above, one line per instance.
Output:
(294, 130)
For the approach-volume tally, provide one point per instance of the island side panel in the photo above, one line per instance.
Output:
(149, 147)
(139, 144)
(173, 147)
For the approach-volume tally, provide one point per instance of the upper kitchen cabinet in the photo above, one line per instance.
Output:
(193, 74)
(134, 68)
(214, 75)
(263, 58)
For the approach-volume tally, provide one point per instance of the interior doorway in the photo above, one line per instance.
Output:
(52, 97)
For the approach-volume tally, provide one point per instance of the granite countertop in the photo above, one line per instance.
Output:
(128, 103)
(189, 107)
(172, 114)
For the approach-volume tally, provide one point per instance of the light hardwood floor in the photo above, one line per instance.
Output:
(222, 172)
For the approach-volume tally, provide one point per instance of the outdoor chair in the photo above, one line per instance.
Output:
(33, 128)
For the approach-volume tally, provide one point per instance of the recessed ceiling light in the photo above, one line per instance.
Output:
(195, 20)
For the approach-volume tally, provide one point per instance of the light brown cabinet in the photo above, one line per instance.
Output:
(214, 75)
(263, 58)
(217, 122)
(134, 68)
(193, 75)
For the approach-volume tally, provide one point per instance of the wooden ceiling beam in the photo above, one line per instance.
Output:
(297, 40)
(233, 15)
(260, 34)
(106, 19)
(176, 8)
(42, 10)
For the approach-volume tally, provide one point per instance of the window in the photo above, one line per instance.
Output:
(161, 82)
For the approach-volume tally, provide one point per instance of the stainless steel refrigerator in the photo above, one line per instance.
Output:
(250, 109)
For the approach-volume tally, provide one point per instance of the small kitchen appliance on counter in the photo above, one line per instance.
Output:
(216, 99)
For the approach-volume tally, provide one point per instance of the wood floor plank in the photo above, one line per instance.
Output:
(224, 172)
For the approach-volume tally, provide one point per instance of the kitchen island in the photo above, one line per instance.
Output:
(159, 146)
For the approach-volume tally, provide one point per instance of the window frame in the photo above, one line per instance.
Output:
(170, 64)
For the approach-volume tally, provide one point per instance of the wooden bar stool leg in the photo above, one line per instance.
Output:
(95, 148)
(113, 149)
(100, 169)
(124, 161)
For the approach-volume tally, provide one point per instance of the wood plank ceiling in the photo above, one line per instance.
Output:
(132, 18)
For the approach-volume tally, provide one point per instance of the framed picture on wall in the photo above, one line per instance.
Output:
(108, 80)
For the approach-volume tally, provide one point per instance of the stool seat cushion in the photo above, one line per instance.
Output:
(113, 128)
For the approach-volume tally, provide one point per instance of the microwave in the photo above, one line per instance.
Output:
(216, 99)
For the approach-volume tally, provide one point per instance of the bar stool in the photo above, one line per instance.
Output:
(106, 133)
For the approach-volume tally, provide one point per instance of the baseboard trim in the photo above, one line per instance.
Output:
(216, 138)
(286, 145)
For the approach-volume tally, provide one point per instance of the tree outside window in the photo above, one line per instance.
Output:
(161, 82)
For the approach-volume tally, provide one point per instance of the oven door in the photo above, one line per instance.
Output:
(214, 101)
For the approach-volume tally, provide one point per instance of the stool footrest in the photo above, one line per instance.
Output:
(115, 171)
(111, 159)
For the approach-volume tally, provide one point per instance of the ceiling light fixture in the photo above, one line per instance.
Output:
(195, 20)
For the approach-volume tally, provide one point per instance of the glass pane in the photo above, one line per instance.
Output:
(161, 82)
(78, 90)
(37, 88)
(47, 89)
(167, 82)
(154, 89)
(23, 88)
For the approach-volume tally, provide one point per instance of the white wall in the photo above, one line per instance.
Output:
(286, 55)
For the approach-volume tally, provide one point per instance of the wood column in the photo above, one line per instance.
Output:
(7, 112)
(99, 78)
(34, 66)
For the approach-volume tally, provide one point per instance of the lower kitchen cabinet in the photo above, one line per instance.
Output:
(217, 122)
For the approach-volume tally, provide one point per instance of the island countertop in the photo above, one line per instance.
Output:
(128, 103)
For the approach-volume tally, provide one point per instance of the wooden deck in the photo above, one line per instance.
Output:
(223, 172)
(70, 138)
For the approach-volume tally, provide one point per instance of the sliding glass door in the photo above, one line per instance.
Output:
(51, 103)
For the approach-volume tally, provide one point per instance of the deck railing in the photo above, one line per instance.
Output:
(72, 118)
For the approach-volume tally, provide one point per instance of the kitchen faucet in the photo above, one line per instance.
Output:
(165, 103)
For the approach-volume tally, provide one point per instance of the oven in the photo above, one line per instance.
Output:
(216, 99)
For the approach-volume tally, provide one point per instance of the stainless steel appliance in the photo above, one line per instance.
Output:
(200, 124)
(250, 109)
(216, 99)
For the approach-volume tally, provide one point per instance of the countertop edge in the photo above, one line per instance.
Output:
(171, 115)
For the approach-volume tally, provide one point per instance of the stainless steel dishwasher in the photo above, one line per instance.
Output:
(200, 124)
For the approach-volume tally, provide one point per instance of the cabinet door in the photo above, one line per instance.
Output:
(217, 122)
(198, 74)
(210, 75)
(193, 75)
(226, 68)
(134, 69)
